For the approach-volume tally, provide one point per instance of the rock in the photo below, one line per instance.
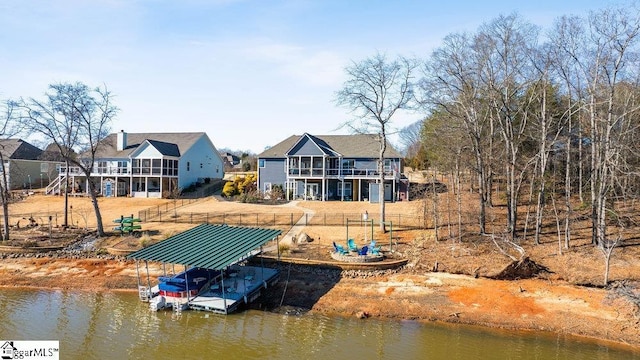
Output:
(304, 238)
(362, 314)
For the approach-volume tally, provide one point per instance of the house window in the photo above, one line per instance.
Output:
(261, 163)
(146, 166)
(387, 165)
(135, 166)
(347, 189)
(155, 166)
(122, 167)
(188, 165)
(200, 165)
(348, 163)
(102, 167)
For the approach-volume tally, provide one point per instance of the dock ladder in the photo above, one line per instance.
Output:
(177, 307)
(143, 292)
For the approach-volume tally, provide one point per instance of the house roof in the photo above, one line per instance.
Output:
(18, 149)
(355, 146)
(208, 246)
(166, 148)
(52, 153)
(167, 143)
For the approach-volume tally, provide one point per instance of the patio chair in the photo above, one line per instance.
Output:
(375, 250)
(364, 250)
(352, 245)
(339, 249)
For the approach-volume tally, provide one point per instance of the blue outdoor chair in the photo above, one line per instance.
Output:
(352, 245)
(364, 250)
(339, 249)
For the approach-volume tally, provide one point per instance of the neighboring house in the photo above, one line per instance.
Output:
(230, 160)
(147, 165)
(331, 167)
(24, 165)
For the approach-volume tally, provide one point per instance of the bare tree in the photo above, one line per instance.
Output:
(9, 127)
(453, 84)
(75, 118)
(376, 88)
(507, 45)
(410, 140)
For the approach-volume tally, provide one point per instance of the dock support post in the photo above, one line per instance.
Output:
(186, 282)
(146, 264)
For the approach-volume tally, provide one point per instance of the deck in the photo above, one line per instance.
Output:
(240, 285)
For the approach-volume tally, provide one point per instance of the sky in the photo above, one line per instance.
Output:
(249, 73)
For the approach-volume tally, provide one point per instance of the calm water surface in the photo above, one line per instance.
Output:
(119, 326)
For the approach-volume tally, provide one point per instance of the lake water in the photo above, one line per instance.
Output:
(119, 326)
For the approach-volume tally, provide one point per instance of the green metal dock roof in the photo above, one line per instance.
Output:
(208, 246)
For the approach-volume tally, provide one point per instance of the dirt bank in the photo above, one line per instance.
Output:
(536, 304)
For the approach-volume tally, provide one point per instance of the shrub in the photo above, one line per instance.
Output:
(229, 189)
(284, 248)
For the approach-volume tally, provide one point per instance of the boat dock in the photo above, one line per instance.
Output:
(216, 276)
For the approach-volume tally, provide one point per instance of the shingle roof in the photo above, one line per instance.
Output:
(208, 246)
(18, 149)
(166, 148)
(182, 141)
(355, 146)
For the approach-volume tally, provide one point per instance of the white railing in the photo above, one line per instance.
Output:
(76, 170)
(341, 173)
(54, 186)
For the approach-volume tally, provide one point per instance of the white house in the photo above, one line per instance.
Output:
(147, 165)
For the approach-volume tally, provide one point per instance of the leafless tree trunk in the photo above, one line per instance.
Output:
(374, 91)
(74, 117)
(452, 84)
(9, 127)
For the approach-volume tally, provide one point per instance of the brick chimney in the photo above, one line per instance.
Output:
(122, 140)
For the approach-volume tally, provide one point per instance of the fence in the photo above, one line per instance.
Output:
(206, 190)
(167, 208)
(238, 219)
(282, 219)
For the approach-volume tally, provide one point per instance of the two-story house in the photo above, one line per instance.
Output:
(25, 166)
(331, 167)
(147, 164)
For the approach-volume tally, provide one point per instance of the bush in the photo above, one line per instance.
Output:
(229, 189)
(284, 248)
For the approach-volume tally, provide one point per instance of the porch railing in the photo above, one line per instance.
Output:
(355, 173)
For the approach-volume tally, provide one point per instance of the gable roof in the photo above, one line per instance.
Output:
(208, 246)
(52, 153)
(165, 148)
(18, 149)
(168, 144)
(349, 146)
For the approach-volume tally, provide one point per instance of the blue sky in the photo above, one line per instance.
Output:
(248, 73)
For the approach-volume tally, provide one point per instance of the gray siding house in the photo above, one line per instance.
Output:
(24, 165)
(147, 165)
(331, 167)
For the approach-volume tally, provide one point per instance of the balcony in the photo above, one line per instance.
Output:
(339, 173)
(97, 171)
